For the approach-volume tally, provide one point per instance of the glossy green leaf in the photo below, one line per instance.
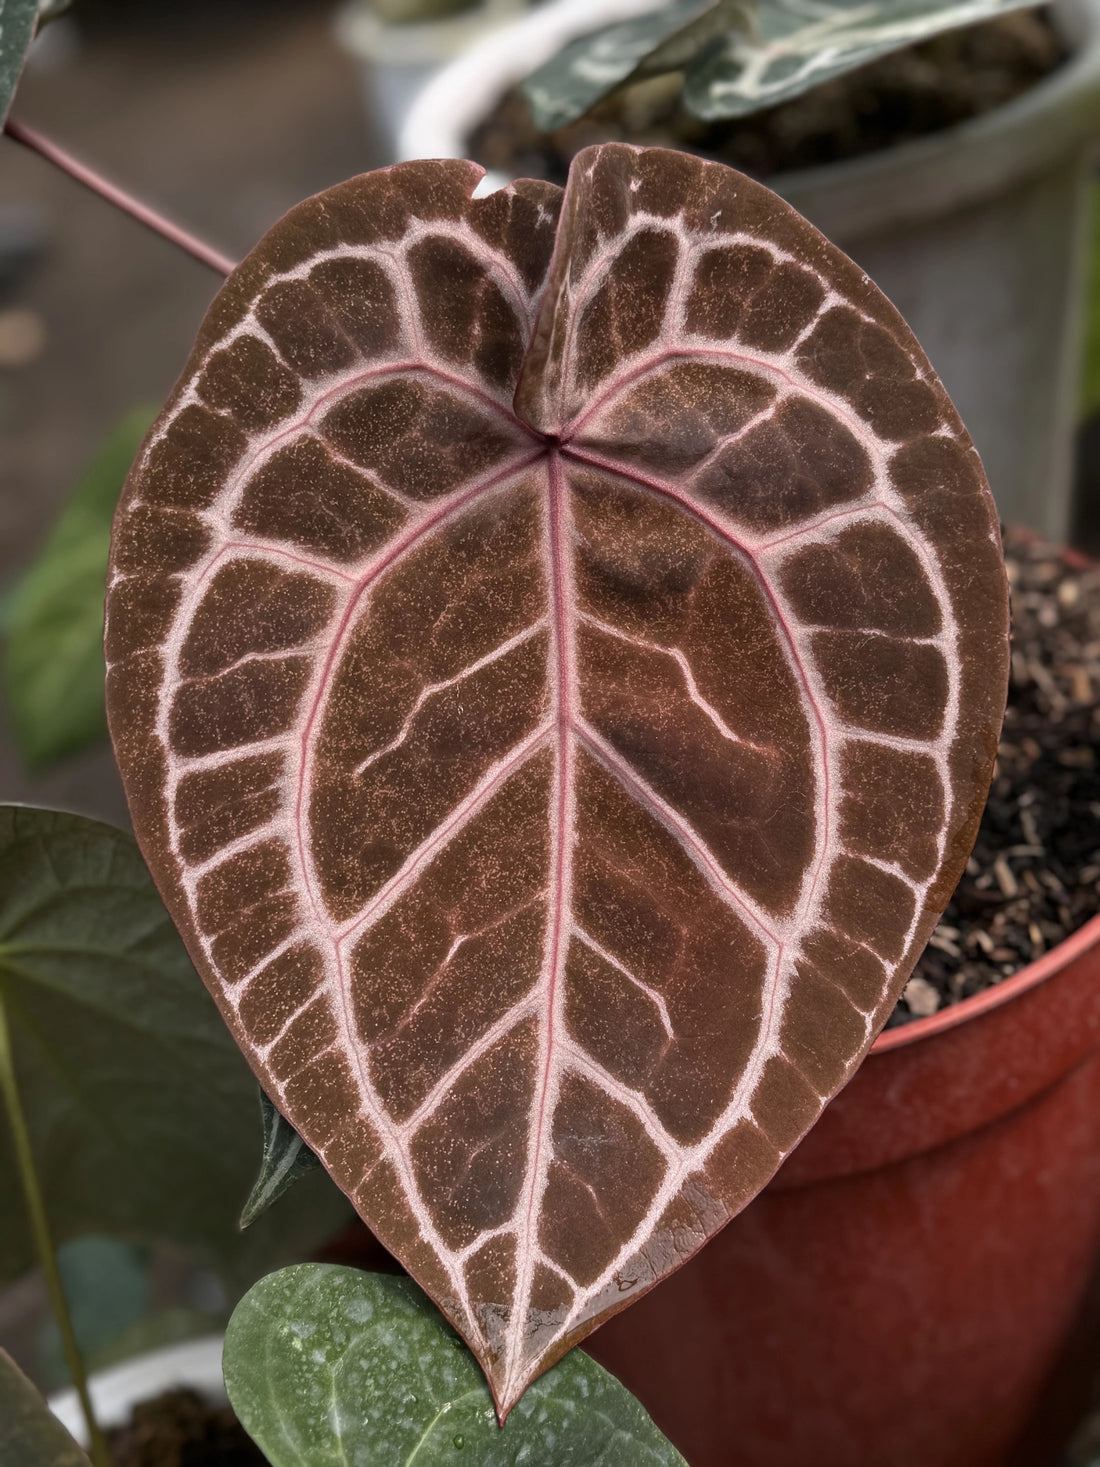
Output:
(327, 1366)
(30, 1434)
(17, 21)
(798, 44)
(142, 1111)
(54, 661)
(286, 1159)
(740, 61)
(593, 66)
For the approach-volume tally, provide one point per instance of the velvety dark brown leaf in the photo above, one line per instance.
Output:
(522, 636)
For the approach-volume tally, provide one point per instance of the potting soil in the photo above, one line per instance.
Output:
(180, 1429)
(1034, 875)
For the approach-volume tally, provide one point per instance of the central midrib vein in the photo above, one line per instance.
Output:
(559, 915)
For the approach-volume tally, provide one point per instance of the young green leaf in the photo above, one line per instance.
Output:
(740, 58)
(327, 1365)
(30, 1434)
(142, 1112)
(286, 1158)
(53, 667)
(17, 22)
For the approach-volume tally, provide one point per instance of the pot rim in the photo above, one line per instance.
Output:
(1059, 957)
(194, 1363)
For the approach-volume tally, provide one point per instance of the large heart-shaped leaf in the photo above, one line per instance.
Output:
(740, 55)
(328, 1365)
(142, 1116)
(556, 666)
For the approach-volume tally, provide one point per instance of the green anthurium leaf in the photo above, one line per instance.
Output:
(30, 1434)
(327, 1365)
(53, 667)
(593, 66)
(17, 22)
(740, 56)
(796, 44)
(286, 1159)
(141, 1110)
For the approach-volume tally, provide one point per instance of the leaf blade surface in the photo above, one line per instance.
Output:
(327, 1365)
(522, 762)
(798, 46)
(141, 1113)
(30, 1434)
(17, 22)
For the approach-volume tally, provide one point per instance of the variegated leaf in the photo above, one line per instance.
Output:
(556, 667)
(740, 56)
(796, 44)
(285, 1160)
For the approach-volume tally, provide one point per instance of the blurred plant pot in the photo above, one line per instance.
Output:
(397, 60)
(900, 1294)
(977, 233)
(195, 1365)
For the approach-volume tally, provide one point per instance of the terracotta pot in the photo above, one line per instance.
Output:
(898, 1296)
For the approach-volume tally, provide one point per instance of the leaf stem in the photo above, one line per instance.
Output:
(36, 1212)
(119, 197)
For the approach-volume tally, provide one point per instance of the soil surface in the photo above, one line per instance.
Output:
(1034, 876)
(919, 90)
(180, 1429)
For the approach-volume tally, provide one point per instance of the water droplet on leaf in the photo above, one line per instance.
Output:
(460, 1442)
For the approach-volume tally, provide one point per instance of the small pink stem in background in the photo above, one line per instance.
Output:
(121, 200)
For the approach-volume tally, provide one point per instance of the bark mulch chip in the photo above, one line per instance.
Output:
(1034, 876)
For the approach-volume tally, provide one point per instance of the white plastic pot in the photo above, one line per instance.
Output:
(977, 233)
(396, 61)
(195, 1365)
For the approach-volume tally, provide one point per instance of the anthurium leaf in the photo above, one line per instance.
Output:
(17, 22)
(53, 666)
(286, 1159)
(142, 1113)
(796, 44)
(30, 1434)
(556, 668)
(327, 1365)
(591, 67)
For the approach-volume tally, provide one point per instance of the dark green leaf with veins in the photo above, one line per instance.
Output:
(327, 1365)
(286, 1158)
(593, 66)
(142, 1112)
(740, 58)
